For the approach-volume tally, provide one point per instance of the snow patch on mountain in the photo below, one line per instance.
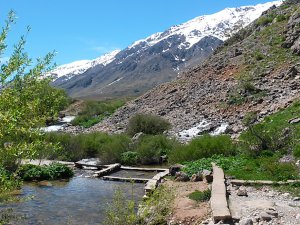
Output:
(67, 71)
(220, 25)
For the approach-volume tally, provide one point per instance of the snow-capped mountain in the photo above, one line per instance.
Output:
(220, 25)
(67, 71)
(157, 58)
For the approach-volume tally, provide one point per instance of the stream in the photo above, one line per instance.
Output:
(80, 201)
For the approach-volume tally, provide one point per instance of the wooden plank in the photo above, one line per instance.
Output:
(126, 179)
(112, 168)
(143, 169)
(150, 186)
(218, 201)
(262, 182)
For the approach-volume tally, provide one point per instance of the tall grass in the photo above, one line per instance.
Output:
(95, 111)
(203, 147)
(75, 147)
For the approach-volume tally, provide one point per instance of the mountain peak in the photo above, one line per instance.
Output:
(156, 59)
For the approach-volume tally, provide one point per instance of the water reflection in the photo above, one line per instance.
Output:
(79, 201)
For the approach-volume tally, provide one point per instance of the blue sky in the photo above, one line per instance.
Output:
(79, 29)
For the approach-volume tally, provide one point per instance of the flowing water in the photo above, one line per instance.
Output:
(79, 201)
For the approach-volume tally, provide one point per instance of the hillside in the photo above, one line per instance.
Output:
(156, 59)
(257, 70)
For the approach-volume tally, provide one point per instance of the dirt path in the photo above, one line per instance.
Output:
(185, 210)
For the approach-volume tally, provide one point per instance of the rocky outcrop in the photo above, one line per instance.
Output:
(293, 33)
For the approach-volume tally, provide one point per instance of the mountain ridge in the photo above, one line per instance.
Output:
(158, 58)
(257, 70)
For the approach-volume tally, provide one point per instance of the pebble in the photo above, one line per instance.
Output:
(296, 199)
(246, 221)
(265, 216)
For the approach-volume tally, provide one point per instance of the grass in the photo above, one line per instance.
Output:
(200, 196)
(203, 147)
(157, 209)
(95, 111)
(293, 189)
(247, 168)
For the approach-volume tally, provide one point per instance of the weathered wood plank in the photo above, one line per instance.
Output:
(263, 182)
(218, 199)
(142, 169)
(126, 179)
(112, 168)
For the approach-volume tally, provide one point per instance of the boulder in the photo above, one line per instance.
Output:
(181, 176)
(175, 168)
(207, 176)
(196, 177)
(246, 221)
(242, 192)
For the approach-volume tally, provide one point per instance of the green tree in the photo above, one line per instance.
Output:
(26, 101)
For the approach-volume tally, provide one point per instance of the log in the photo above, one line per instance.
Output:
(218, 200)
(126, 179)
(112, 168)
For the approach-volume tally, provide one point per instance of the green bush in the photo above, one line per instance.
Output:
(129, 158)
(156, 209)
(150, 148)
(296, 151)
(203, 147)
(200, 196)
(54, 171)
(264, 20)
(75, 147)
(247, 168)
(7, 181)
(148, 124)
(95, 111)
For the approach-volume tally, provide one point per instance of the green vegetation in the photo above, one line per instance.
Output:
(108, 148)
(130, 158)
(52, 172)
(203, 147)
(150, 148)
(148, 124)
(274, 134)
(200, 196)
(94, 112)
(121, 211)
(26, 103)
(264, 20)
(111, 148)
(294, 189)
(157, 208)
(247, 168)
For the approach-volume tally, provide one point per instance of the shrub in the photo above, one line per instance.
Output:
(200, 196)
(121, 211)
(150, 148)
(54, 171)
(247, 168)
(297, 151)
(263, 137)
(148, 124)
(75, 147)
(156, 210)
(202, 147)
(264, 20)
(95, 111)
(129, 158)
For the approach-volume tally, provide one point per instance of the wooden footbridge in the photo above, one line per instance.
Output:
(104, 172)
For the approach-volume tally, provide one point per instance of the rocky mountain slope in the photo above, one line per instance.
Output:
(257, 70)
(156, 59)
